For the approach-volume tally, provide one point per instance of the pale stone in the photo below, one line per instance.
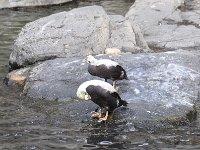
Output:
(113, 51)
(18, 77)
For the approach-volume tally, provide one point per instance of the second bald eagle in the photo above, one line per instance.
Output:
(105, 68)
(102, 94)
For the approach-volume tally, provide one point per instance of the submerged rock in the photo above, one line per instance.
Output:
(25, 3)
(161, 90)
(165, 25)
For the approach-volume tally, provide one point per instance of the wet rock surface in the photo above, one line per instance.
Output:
(162, 89)
(167, 25)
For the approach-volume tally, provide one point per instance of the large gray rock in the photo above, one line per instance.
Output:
(75, 33)
(165, 25)
(79, 32)
(22, 3)
(162, 89)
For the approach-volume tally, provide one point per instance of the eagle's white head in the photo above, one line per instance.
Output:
(82, 93)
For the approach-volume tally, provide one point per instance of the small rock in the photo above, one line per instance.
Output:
(112, 51)
(17, 77)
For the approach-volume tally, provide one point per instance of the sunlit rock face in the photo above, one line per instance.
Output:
(24, 3)
(166, 25)
(162, 88)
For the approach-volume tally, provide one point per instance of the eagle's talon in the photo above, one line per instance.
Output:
(100, 120)
(95, 114)
(103, 94)
(103, 118)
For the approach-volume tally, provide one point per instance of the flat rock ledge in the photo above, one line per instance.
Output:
(167, 25)
(161, 91)
(28, 3)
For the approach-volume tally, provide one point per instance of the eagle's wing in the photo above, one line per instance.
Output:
(102, 97)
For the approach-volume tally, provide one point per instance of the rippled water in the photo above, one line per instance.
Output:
(33, 124)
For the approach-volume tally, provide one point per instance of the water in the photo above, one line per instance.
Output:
(31, 124)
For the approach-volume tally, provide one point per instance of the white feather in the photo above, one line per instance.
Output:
(107, 62)
(103, 84)
(93, 61)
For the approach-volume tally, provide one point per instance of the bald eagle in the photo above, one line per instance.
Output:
(105, 68)
(103, 94)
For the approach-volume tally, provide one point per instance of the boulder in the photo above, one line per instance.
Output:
(77, 33)
(161, 91)
(165, 24)
(25, 3)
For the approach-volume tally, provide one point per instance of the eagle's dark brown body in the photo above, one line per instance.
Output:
(105, 68)
(105, 99)
(112, 72)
